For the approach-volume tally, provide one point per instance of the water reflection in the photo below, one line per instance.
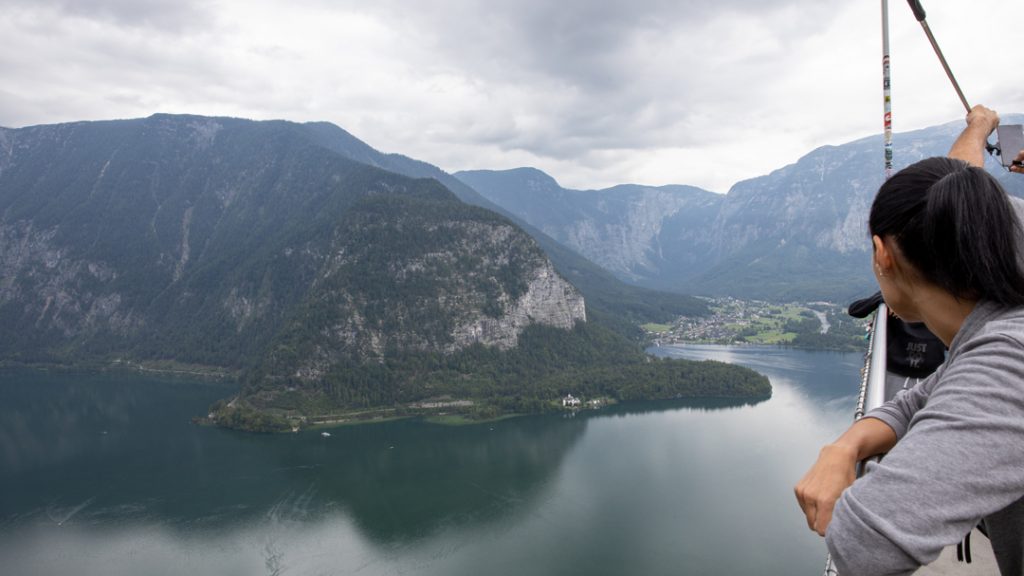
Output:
(407, 480)
(112, 449)
(687, 404)
(821, 375)
(104, 475)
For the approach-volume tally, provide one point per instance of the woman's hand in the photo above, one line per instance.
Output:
(836, 469)
(970, 145)
(1018, 163)
(820, 488)
(984, 119)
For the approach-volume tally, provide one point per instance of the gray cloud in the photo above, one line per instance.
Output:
(623, 75)
(595, 91)
(159, 15)
(70, 67)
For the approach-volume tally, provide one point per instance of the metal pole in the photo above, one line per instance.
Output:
(875, 393)
(945, 66)
(915, 5)
(866, 371)
(872, 388)
(886, 89)
(872, 384)
(919, 14)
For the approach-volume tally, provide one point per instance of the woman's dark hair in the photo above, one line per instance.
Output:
(954, 223)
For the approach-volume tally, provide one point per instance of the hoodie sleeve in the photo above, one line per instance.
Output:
(959, 459)
(900, 410)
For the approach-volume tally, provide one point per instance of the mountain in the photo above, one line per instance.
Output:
(620, 228)
(797, 233)
(617, 303)
(195, 238)
(324, 283)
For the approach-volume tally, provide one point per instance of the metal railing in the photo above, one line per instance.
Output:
(872, 387)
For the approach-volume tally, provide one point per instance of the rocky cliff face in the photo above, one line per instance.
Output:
(64, 295)
(607, 296)
(549, 301)
(620, 228)
(429, 284)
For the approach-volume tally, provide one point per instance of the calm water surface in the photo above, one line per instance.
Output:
(103, 474)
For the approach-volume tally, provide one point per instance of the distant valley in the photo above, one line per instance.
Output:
(798, 233)
(811, 326)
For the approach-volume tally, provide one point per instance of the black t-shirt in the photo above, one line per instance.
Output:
(911, 349)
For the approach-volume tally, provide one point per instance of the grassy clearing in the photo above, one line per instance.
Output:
(460, 420)
(657, 328)
(772, 337)
(769, 329)
(360, 418)
(352, 422)
(792, 312)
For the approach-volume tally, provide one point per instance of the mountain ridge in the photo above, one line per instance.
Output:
(797, 233)
(618, 303)
(170, 241)
(324, 283)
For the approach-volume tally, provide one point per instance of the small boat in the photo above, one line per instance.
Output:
(325, 434)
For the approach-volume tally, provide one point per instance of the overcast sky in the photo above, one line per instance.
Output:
(594, 92)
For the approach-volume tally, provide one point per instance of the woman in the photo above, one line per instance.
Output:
(945, 253)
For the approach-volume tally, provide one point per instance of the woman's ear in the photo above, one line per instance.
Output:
(883, 255)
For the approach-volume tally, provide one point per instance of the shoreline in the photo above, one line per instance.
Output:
(439, 411)
(787, 346)
(184, 372)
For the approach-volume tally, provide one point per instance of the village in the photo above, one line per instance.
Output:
(808, 325)
(573, 403)
(735, 321)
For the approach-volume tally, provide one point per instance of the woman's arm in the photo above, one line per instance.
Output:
(872, 435)
(836, 469)
(960, 461)
(970, 145)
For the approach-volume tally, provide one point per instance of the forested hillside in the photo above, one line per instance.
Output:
(322, 283)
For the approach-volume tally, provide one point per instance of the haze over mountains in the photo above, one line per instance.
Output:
(286, 254)
(798, 233)
(327, 274)
(203, 238)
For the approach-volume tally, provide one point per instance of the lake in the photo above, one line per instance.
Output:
(103, 474)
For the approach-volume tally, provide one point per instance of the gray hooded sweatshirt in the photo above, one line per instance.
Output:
(959, 459)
